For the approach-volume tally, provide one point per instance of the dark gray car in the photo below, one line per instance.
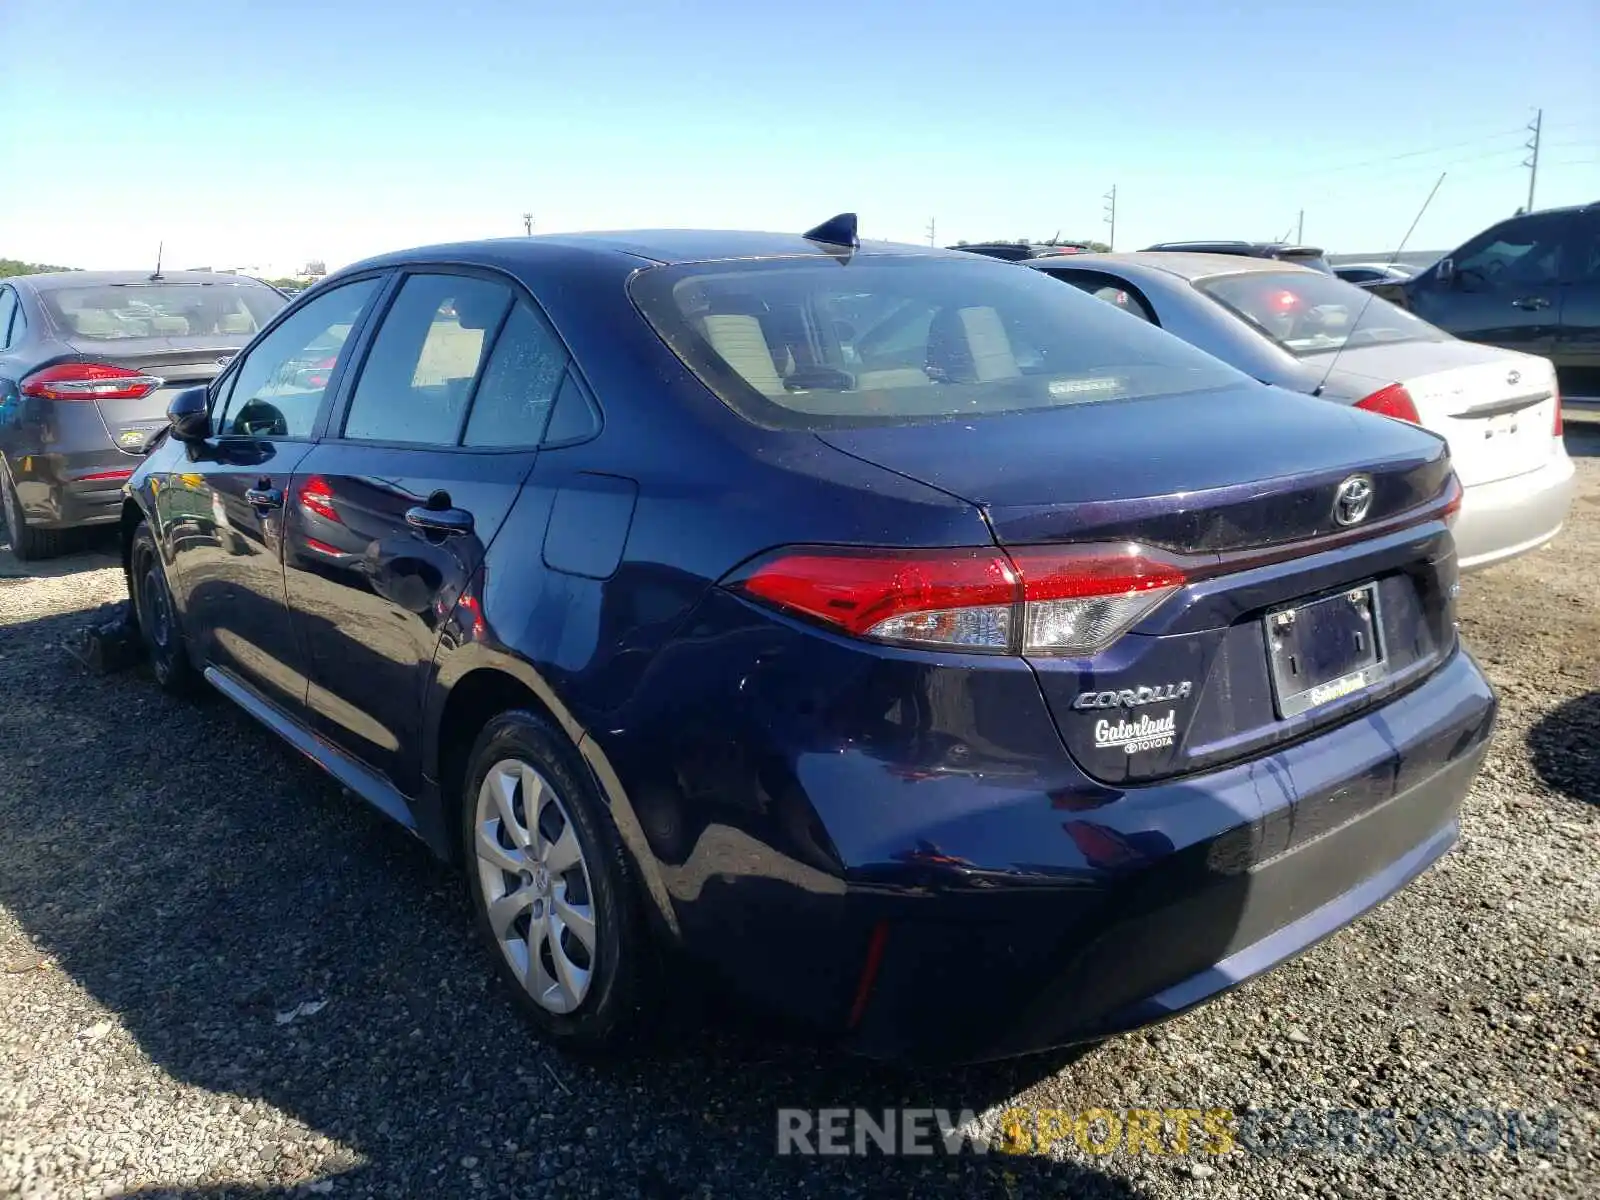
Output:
(88, 362)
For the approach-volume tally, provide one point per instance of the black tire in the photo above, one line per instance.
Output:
(619, 1006)
(28, 544)
(159, 628)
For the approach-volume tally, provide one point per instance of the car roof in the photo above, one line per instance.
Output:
(1183, 264)
(51, 280)
(658, 246)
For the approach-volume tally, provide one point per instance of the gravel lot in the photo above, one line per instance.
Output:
(218, 976)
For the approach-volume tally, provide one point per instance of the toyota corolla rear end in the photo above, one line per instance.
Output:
(1193, 701)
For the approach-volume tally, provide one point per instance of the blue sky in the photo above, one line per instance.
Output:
(274, 131)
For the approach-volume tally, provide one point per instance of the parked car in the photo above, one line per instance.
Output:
(1309, 332)
(1014, 641)
(1530, 283)
(1367, 274)
(1019, 251)
(88, 362)
(1304, 256)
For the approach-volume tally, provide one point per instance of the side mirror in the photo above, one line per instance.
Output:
(1445, 272)
(189, 415)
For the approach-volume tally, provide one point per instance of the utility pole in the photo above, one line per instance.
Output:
(933, 230)
(1300, 229)
(527, 223)
(1532, 161)
(1111, 215)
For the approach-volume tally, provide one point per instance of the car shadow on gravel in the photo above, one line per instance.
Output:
(1565, 748)
(268, 939)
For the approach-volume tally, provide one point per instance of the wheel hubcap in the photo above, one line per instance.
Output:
(155, 608)
(535, 885)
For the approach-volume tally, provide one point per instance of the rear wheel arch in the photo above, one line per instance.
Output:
(484, 691)
(132, 517)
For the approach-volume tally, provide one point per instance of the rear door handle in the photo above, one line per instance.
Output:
(263, 497)
(446, 521)
(1531, 303)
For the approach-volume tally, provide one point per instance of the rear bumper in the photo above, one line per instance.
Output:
(1509, 517)
(1159, 899)
(64, 491)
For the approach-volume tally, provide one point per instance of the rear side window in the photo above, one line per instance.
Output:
(1307, 312)
(8, 307)
(1109, 289)
(519, 385)
(814, 343)
(419, 375)
(119, 311)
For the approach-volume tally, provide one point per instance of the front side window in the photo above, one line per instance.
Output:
(813, 343)
(1518, 253)
(278, 387)
(1307, 312)
(419, 375)
(112, 312)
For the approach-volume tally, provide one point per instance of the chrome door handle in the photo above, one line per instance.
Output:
(444, 521)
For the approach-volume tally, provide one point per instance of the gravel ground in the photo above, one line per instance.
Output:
(218, 976)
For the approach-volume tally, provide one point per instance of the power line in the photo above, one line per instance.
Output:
(1372, 162)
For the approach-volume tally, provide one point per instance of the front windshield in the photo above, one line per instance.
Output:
(814, 343)
(1308, 313)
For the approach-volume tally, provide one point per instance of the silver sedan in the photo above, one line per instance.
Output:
(1310, 332)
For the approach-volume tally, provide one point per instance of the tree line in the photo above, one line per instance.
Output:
(15, 266)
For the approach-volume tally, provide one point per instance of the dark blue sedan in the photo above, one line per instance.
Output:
(907, 641)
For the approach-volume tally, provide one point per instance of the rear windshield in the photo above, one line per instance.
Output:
(113, 311)
(816, 343)
(1311, 313)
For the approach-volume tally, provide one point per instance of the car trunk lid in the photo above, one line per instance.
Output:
(179, 362)
(1241, 489)
(1496, 409)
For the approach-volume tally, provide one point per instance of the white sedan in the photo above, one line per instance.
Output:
(1308, 331)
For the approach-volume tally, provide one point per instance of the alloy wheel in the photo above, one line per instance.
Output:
(535, 885)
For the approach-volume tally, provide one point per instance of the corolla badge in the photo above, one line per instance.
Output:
(1133, 697)
(1353, 500)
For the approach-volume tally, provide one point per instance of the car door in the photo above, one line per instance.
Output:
(1502, 288)
(222, 515)
(1577, 350)
(390, 516)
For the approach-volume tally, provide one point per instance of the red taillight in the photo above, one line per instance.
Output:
(316, 496)
(1453, 497)
(1032, 600)
(89, 381)
(1284, 301)
(1555, 394)
(106, 476)
(1392, 401)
